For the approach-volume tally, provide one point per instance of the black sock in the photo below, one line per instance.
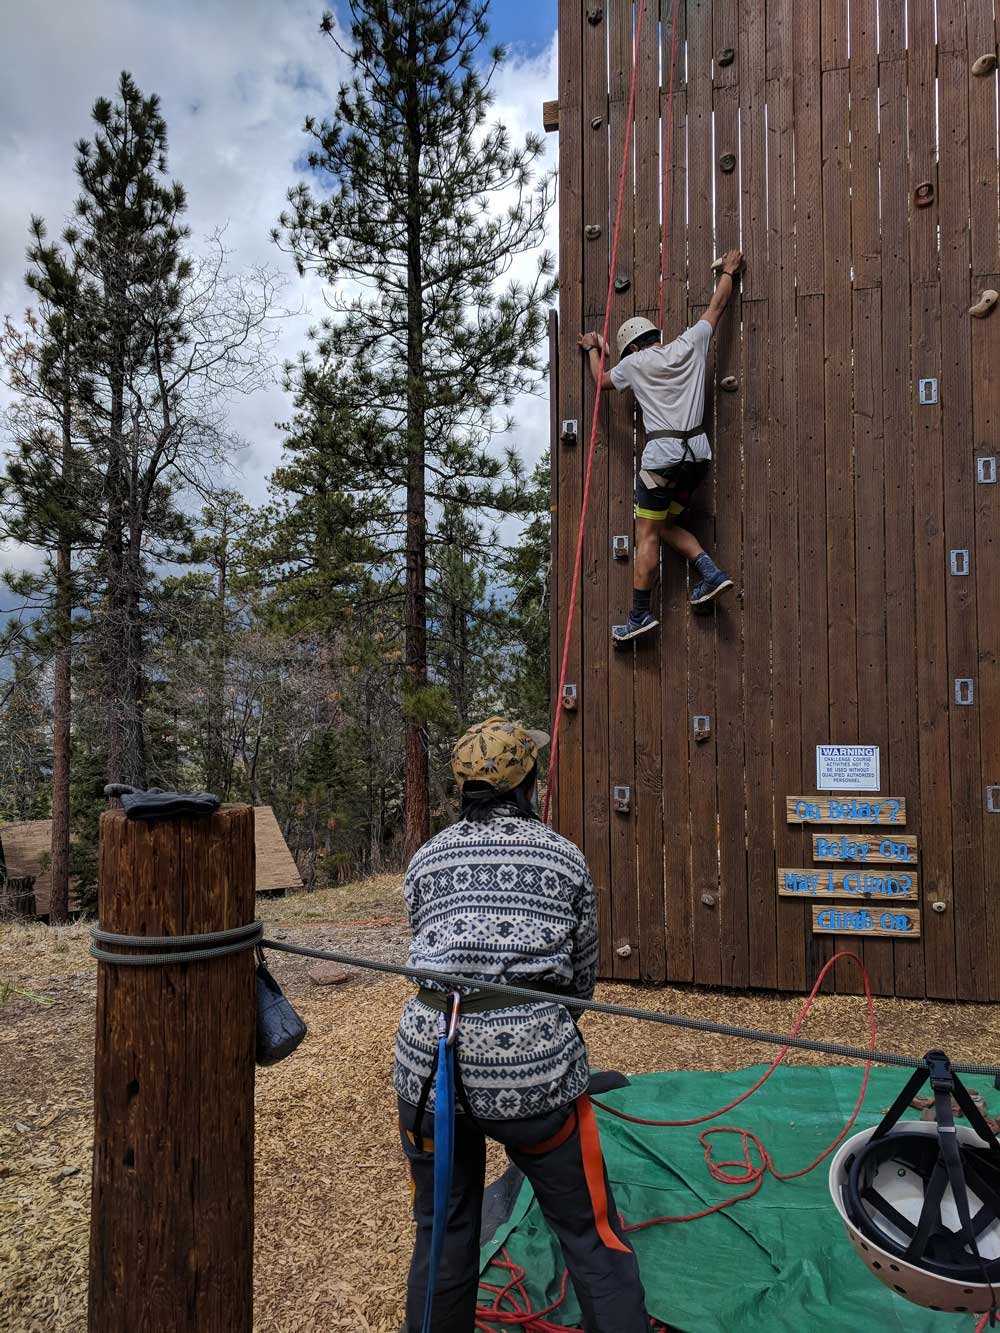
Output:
(640, 601)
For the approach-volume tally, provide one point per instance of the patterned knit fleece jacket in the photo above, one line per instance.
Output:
(508, 901)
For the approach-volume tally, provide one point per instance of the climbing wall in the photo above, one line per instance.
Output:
(860, 523)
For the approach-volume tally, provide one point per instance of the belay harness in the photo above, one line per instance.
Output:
(656, 481)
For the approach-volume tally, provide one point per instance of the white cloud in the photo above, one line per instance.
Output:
(236, 79)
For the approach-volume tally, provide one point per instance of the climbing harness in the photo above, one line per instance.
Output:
(444, 1141)
(595, 418)
(921, 1200)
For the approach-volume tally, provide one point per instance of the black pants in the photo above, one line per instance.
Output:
(560, 1155)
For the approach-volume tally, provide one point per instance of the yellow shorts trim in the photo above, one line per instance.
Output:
(660, 515)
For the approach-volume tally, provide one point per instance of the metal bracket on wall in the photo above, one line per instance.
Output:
(964, 690)
(619, 547)
(993, 800)
(569, 698)
(986, 471)
(623, 800)
(702, 724)
(960, 563)
(569, 431)
(927, 391)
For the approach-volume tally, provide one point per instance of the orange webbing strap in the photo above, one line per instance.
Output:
(556, 1140)
(593, 1170)
(571, 612)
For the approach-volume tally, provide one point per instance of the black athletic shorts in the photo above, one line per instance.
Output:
(673, 499)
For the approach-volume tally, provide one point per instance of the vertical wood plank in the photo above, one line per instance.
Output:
(841, 590)
(568, 804)
(593, 609)
(727, 447)
(700, 696)
(761, 898)
(972, 961)
(670, 670)
(786, 683)
(932, 652)
(928, 477)
(621, 426)
(902, 772)
(986, 567)
(811, 439)
(983, 159)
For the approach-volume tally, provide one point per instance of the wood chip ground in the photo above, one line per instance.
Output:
(333, 1229)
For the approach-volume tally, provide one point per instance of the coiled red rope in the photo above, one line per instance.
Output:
(511, 1303)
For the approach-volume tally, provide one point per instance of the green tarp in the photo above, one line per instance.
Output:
(780, 1261)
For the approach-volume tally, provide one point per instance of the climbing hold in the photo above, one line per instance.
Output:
(708, 899)
(727, 162)
(984, 65)
(592, 231)
(726, 56)
(594, 14)
(624, 951)
(622, 284)
(717, 264)
(923, 195)
(939, 906)
(987, 300)
(730, 383)
(597, 122)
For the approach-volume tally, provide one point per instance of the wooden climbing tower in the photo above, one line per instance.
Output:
(851, 151)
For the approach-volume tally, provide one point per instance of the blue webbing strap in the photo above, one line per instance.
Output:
(444, 1159)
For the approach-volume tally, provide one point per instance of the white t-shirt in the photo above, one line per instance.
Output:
(669, 383)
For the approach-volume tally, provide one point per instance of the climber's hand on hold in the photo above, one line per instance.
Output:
(589, 342)
(733, 262)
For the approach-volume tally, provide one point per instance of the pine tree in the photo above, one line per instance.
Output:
(47, 496)
(428, 210)
(169, 338)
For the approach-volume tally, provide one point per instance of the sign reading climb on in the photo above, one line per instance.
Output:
(899, 923)
(847, 768)
(845, 810)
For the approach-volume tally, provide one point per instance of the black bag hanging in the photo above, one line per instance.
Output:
(279, 1028)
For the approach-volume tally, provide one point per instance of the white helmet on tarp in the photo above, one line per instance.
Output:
(906, 1229)
(632, 329)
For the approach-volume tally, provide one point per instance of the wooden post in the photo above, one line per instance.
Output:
(171, 1241)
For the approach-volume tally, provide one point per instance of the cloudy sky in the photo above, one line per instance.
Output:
(236, 79)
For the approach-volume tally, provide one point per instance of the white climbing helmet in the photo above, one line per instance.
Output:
(880, 1192)
(632, 329)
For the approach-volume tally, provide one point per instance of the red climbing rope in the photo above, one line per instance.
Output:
(623, 176)
(741, 1171)
(571, 612)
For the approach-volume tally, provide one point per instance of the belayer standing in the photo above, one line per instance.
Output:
(668, 380)
(499, 897)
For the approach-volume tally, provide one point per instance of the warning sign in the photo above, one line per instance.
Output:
(847, 768)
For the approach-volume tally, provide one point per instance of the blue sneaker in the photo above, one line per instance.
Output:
(708, 589)
(634, 628)
(712, 581)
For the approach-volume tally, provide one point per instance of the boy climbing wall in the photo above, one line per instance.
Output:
(668, 379)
